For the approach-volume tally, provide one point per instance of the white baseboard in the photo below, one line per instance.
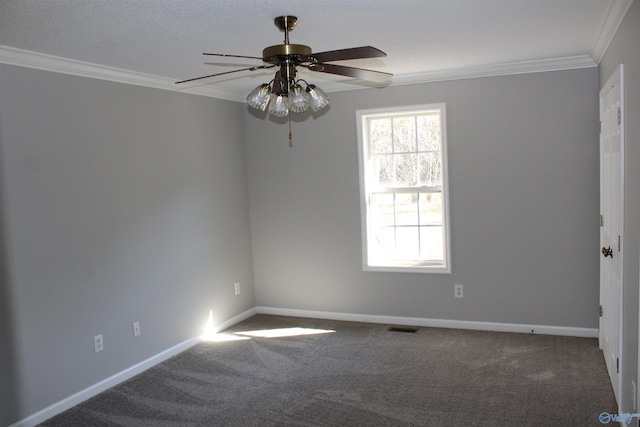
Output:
(435, 323)
(77, 398)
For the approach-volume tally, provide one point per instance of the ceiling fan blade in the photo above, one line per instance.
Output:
(357, 73)
(226, 72)
(351, 53)
(232, 56)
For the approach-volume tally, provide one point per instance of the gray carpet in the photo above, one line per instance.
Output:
(363, 375)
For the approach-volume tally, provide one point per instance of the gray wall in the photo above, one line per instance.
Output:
(523, 153)
(8, 395)
(624, 49)
(120, 204)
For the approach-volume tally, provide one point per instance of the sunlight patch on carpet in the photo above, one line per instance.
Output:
(211, 336)
(284, 332)
(222, 337)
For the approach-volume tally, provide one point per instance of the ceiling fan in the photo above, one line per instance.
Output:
(284, 93)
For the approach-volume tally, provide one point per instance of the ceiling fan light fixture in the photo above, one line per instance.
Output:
(283, 97)
(300, 100)
(279, 105)
(317, 98)
(259, 97)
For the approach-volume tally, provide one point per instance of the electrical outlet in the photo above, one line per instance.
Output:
(136, 329)
(458, 291)
(98, 343)
(236, 287)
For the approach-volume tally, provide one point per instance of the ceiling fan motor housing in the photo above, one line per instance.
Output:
(278, 54)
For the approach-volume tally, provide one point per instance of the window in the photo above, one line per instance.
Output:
(403, 184)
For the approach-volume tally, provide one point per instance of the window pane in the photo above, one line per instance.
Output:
(404, 134)
(382, 210)
(380, 136)
(406, 208)
(430, 208)
(383, 171)
(430, 169)
(408, 244)
(383, 244)
(429, 132)
(431, 243)
(406, 169)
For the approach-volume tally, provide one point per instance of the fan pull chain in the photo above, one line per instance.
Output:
(290, 134)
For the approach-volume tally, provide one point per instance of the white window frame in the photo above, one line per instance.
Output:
(366, 189)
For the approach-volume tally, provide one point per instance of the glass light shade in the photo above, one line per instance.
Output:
(259, 97)
(299, 99)
(317, 98)
(279, 105)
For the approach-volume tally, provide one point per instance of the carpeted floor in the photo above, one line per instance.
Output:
(358, 374)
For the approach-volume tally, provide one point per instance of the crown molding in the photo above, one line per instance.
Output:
(615, 13)
(40, 61)
(523, 67)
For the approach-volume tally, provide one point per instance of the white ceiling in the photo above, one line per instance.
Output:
(424, 39)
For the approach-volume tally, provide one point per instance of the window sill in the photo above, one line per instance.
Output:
(428, 269)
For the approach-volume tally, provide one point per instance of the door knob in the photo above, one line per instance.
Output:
(607, 252)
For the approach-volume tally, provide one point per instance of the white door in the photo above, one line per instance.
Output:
(611, 221)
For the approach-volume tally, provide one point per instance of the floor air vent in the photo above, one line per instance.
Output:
(407, 329)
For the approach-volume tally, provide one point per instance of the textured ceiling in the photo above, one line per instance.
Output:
(167, 37)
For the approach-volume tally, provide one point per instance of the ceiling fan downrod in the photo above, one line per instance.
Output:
(285, 24)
